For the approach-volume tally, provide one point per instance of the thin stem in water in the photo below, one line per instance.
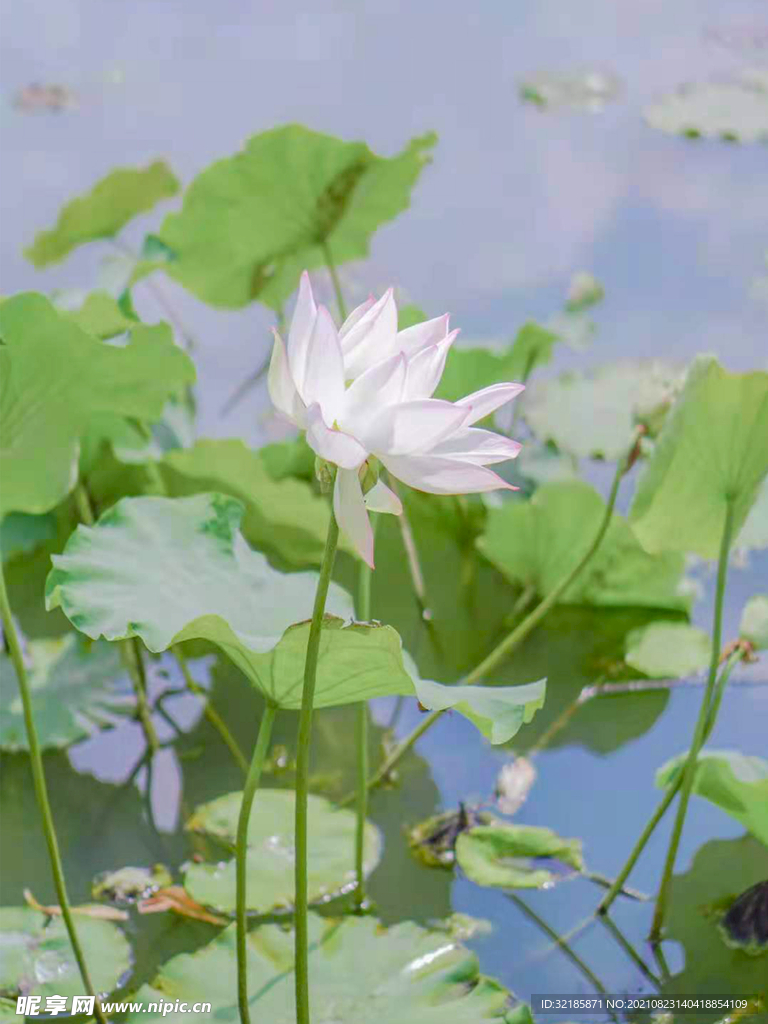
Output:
(241, 851)
(302, 775)
(210, 711)
(700, 732)
(41, 793)
(364, 614)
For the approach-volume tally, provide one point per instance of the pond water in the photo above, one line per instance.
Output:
(517, 200)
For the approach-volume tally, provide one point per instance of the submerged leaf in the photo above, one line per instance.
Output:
(736, 782)
(38, 959)
(251, 223)
(538, 542)
(108, 207)
(712, 448)
(57, 381)
(668, 650)
(74, 692)
(358, 972)
(506, 856)
(270, 860)
(618, 397)
(754, 622)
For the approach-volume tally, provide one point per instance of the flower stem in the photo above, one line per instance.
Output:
(241, 851)
(364, 614)
(335, 279)
(41, 793)
(214, 718)
(302, 775)
(705, 720)
(520, 632)
(668, 797)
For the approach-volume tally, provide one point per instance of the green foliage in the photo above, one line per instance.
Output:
(57, 381)
(106, 209)
(497, 711)
(537, 543)
(713, 447)
(470, 369)
(618, 397)
(283, 517)
(74, 692)
(754, 621)
(668, 650)
(358, 971)
(100, 315)
(270, 858)
(251, 223)
(738, 783)
(38, 960)
(21, 533)
(507, 856)
(754, 532)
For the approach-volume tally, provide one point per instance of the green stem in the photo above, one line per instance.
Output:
(364, 614)
(41, 793)
(336, 282)
(705, 718)
(212, 715)
(302, 775)
(670, 794)
(241, 850)
(630, 950)
(519, 633)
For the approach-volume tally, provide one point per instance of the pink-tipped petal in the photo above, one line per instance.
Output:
(300, 331)
(356, 315)
(282, 390)
(351, 513)
(411, 427)
(489, 399)
(372, 338)
(378, 387)
(428, 332)
(324, 381)
(426, 368)
(381, 499)
(480, 447)
(437, 475)
(332, 445)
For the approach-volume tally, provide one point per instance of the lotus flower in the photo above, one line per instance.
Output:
(366, 390)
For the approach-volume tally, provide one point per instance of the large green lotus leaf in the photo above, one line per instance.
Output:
(21, 533)
(252, 222)
(56, 379)
(735, 111)
(101, 213)
(270, 863)
(507, 856)
(497, 711)
(720, 871)
(596, 414)
(668, 650)
(538, 542)
(38, 960)
(74, 692)
(754, 621)
(283, 517)
(754, 532)
(713, 446)
(470, 369)
(359, 972)
(99, 315)
(736, 782)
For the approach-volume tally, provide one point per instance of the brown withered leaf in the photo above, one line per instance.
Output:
(176, 898)
(86, 910)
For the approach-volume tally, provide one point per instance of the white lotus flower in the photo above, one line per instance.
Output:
(366, 390)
